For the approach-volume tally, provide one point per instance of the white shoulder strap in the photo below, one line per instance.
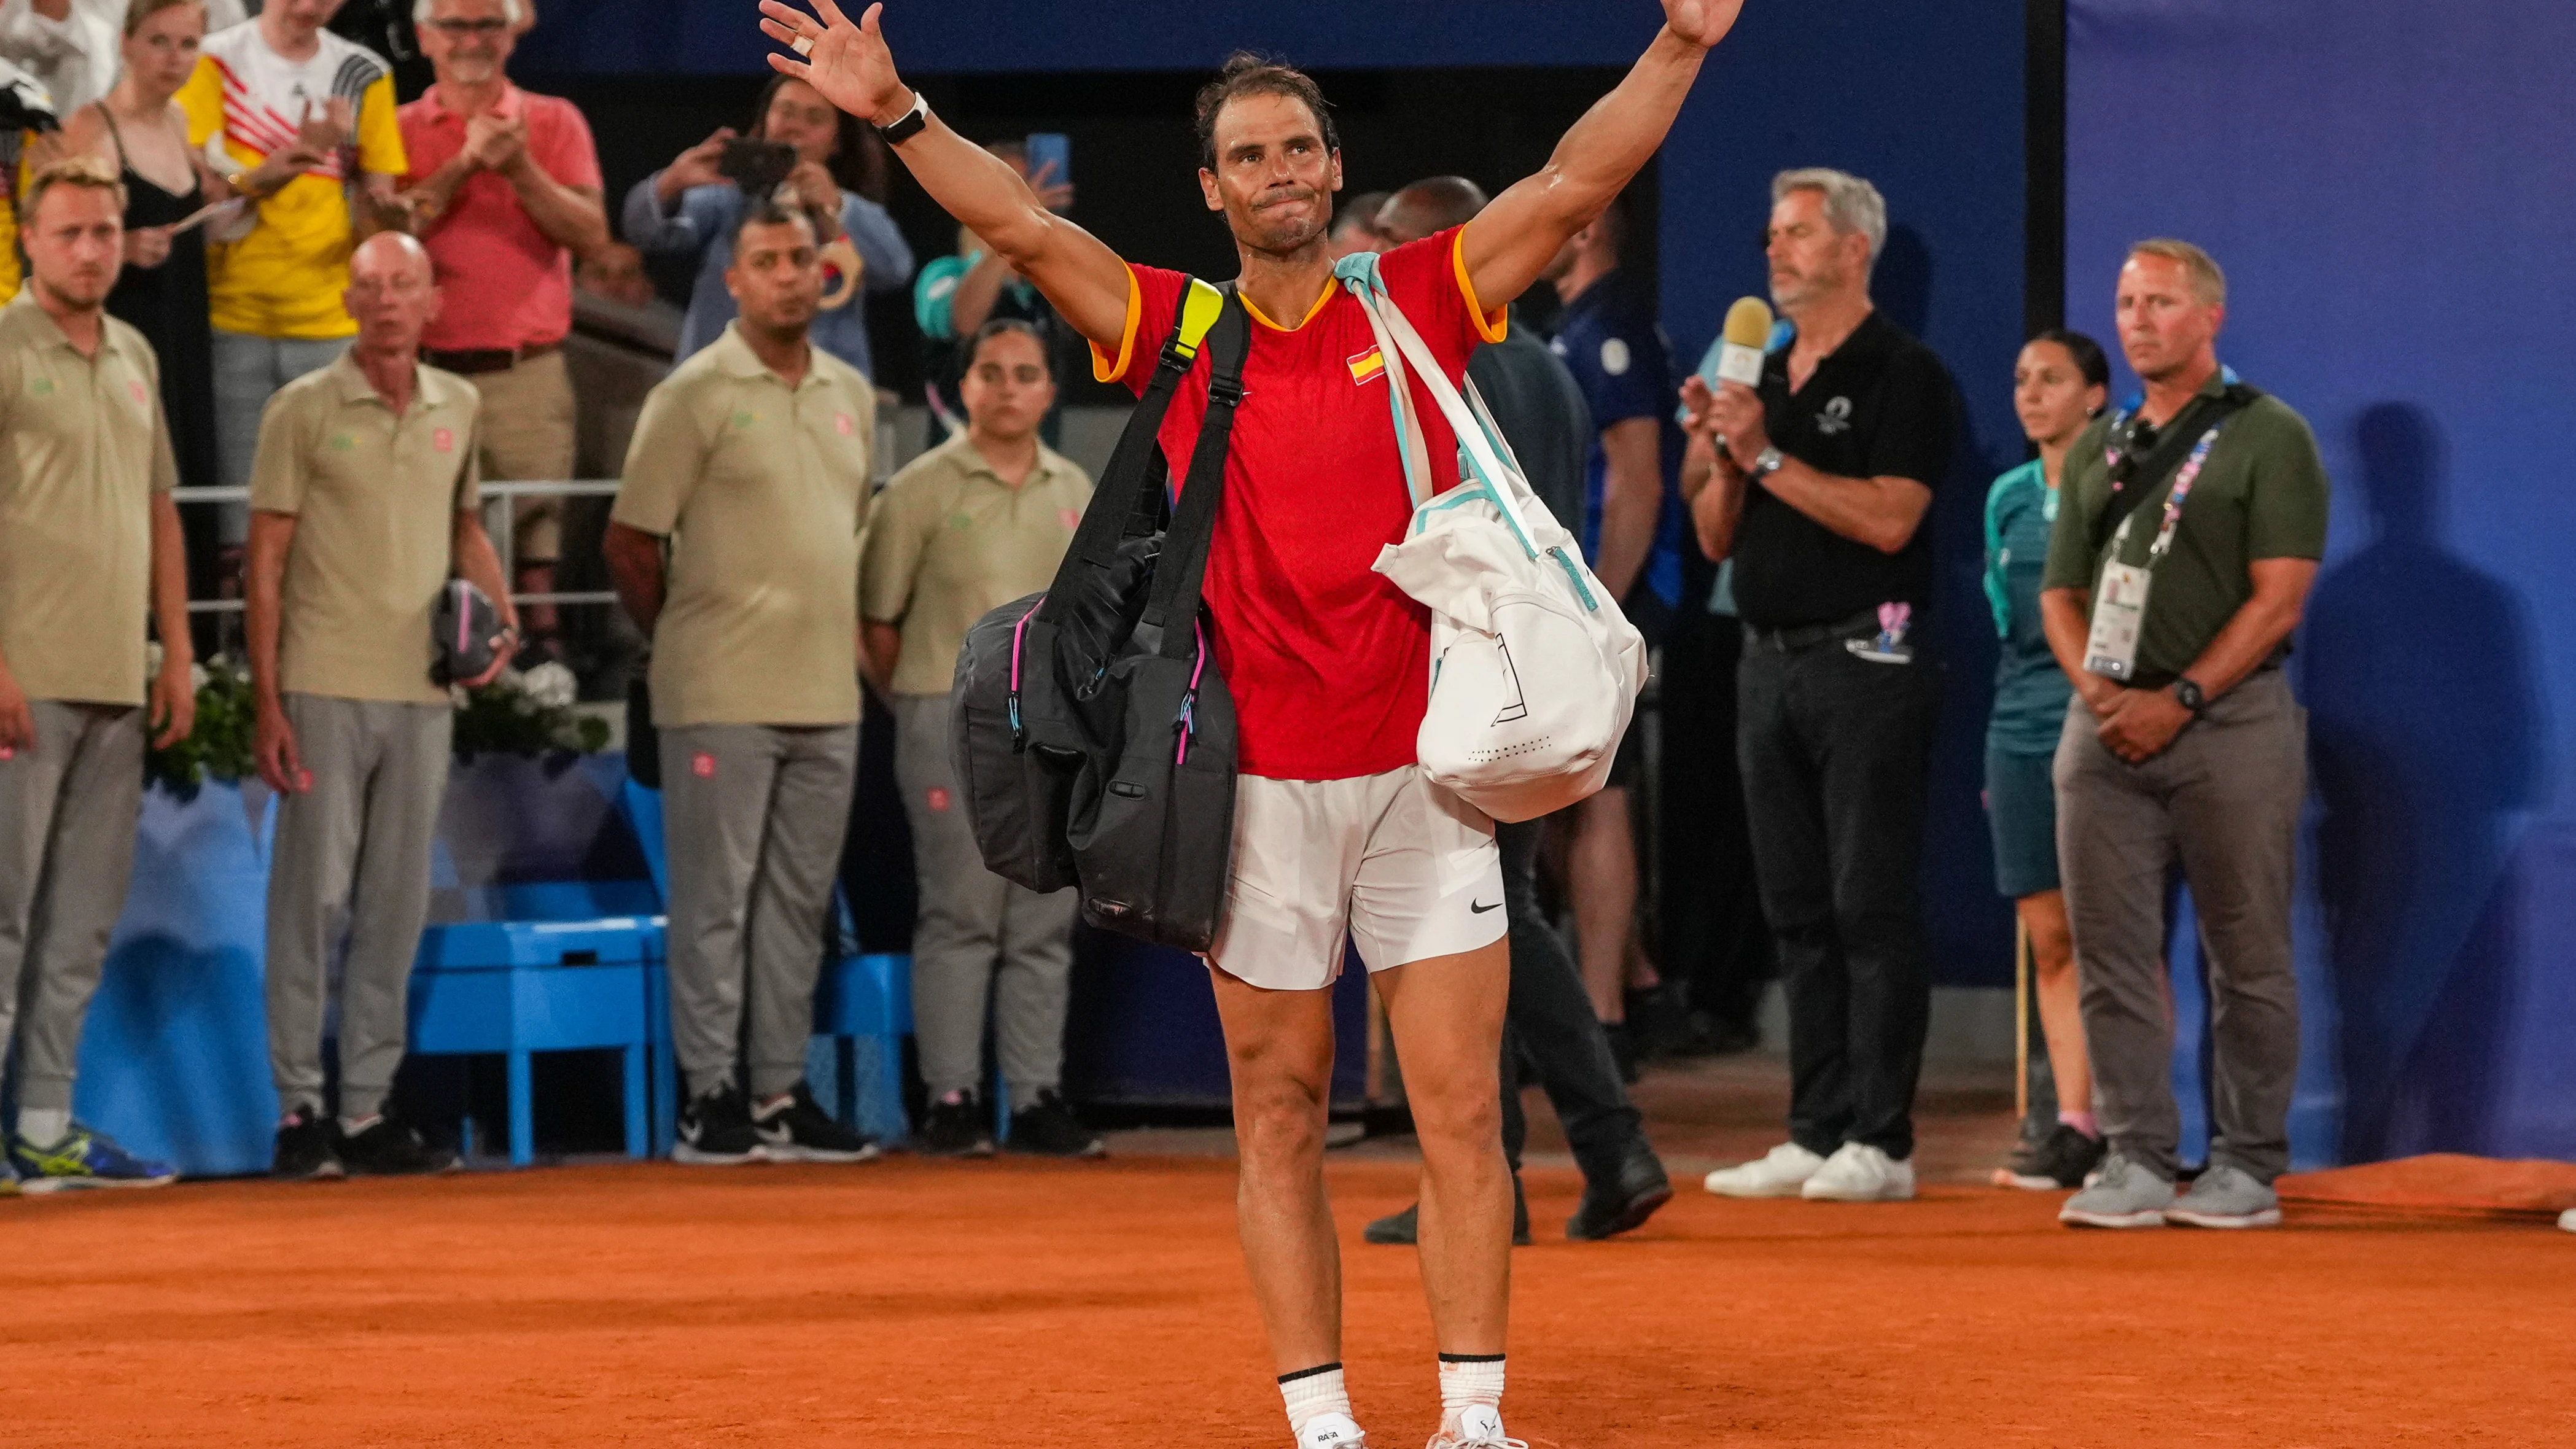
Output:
(1481, 446)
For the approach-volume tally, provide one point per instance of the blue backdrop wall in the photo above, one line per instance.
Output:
(2390, 190)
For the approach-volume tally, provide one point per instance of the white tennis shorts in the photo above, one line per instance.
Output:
(1393, 863)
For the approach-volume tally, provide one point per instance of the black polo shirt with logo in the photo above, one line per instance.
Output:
(1881, 406)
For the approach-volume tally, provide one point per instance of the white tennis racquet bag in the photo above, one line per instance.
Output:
(1534, 670)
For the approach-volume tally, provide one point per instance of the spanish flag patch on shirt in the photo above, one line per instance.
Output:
(1367, 367)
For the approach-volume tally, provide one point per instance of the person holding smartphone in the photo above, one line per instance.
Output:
(820, 161)
(957, 295)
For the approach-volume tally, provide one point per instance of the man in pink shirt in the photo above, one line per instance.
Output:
(505, 192)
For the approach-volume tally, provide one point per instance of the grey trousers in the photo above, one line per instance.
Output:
(2223, 801)
(67, 816)
(248, 370)
(353, 851)
(978, 938)
(752, 819)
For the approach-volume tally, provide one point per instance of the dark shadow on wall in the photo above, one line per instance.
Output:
(2425, 735)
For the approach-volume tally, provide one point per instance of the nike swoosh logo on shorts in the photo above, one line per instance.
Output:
(1475, 907)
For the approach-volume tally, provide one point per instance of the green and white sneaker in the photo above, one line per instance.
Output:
(83, 1159)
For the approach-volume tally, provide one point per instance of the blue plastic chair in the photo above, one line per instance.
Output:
(516, 988)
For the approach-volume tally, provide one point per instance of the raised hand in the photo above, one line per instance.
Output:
(1701, 22)
(849, 64)
(326, 133)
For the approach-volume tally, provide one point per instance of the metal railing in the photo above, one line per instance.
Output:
(498, 498)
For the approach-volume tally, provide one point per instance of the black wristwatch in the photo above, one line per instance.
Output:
(2190, 696)
(910, 124)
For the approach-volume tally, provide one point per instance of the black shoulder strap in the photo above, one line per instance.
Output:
(1174, 604)
(1132, 485)
(2138, 476)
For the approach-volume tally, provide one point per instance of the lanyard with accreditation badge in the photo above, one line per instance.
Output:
(2120, 602)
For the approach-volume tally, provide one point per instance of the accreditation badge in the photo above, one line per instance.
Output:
(2119, 609)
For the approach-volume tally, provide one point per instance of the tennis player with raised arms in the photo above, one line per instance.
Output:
(1337, 834)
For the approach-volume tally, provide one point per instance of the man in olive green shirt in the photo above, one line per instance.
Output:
(972, 525)
(363, 496)
(751, 462)
(89, 543)
(2207, 504)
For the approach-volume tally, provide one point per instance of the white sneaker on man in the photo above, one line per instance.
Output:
(1858, 1172)
(1332, 1431)
(1478, 1426)
(1779, 1173)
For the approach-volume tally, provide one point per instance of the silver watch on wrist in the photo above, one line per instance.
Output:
(1765, 464)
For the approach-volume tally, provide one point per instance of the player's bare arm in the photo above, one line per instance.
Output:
(1511, 242)
(850, 64)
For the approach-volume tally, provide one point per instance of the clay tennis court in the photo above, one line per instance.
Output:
(1102, 1304)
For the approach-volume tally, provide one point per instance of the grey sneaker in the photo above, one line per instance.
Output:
(2123, 1195)
(2227, 1197)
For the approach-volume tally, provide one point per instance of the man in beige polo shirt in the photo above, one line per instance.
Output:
(970, 526)
(751, 463)
(89, 540)
(362, 499)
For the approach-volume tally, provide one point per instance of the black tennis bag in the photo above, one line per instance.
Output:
(1093, 735)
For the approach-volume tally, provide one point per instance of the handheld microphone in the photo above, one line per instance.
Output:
(1748, 334)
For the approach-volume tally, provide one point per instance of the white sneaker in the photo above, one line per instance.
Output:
(1860, 1173)
(1780, 1173)
(1478, 1426)
(2567, 1221)
(1332, 1431)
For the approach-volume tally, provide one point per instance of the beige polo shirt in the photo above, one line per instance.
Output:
(375, 499)
(83, 448)
(762, 489)
(950, 542)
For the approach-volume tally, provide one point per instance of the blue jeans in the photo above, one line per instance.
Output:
(248, 370)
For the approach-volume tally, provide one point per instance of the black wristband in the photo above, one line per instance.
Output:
(2190, 697)
(912, 123)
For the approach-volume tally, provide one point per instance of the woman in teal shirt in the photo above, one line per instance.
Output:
(2059, 385)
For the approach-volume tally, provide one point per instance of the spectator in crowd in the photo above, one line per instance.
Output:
(364, 497)
(306, 119)
(616, 272)
(1818, 491)
(505, 190)
(1632, 531)
(1547, 1017)
(140, 130)
(2172, 621)
(1356, 229)
(973, 524)
(751, 464)
(956, 295)
(71, 46)
(836, 174)
(2060, 385)
(89, 548)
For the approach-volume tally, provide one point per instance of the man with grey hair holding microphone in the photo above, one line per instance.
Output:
(1816, 481)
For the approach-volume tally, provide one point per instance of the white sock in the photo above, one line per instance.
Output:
(44, 1126)
(1313, 1394)
(352, 1126)
(1467, 1380)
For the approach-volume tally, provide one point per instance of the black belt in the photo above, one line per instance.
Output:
(486, 359)
(1808, 636)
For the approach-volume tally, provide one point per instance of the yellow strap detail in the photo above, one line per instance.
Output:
(1200, 307)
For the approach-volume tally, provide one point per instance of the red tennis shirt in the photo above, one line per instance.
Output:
(1328, 662)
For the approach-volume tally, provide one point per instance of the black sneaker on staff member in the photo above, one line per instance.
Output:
(716, 1130)
(955, 1126)
(383, 1147)
(308, 1148)
(1048, 1128)
(793, 1127)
